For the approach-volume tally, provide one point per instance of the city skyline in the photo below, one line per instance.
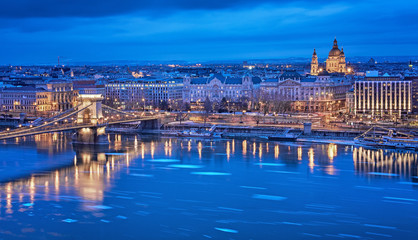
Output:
(197, 119)
(235, 30)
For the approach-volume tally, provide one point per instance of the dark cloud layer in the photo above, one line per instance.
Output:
(98, 8)
(37, 31)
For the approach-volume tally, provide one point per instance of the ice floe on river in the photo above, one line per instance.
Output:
(211, 173)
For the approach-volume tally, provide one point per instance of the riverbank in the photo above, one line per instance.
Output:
(335, 141)
(240, 131)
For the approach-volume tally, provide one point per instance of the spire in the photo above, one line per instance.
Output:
(335, 42)
(314, 63)
(314, 54)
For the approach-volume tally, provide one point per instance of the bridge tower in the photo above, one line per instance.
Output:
(93, 113)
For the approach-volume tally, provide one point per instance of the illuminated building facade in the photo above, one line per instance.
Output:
(349, 101)
(414, 93)
(49, 97)
(218, 87)
(89, 86)
(21, 99)
(312, 94)
(61, 95)
(135, 94)
(383, 96)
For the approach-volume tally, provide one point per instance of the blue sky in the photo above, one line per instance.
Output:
(37, 31)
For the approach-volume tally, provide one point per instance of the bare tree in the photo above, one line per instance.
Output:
(207, 107)
(223, 106)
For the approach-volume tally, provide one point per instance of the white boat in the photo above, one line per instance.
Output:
(193, 133)
(400, 142)
(200, 133)
(387, 138)
(285, 135)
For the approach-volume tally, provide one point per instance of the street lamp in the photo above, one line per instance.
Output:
(310, 104)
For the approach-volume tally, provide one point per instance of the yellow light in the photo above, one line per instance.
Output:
(311, 159)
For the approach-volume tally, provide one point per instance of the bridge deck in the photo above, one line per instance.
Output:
(39, 130)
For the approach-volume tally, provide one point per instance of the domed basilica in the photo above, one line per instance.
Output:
(335, 62)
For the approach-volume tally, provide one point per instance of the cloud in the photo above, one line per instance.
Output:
(204, 30)
(144, 8)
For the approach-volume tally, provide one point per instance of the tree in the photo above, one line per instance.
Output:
(182, 106)
(223, 106)
(282, 106)
(163, 105)
(187, 106)
(244, 105)
(207, 107)
(266, 107)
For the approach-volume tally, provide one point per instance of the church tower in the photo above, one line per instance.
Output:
(314, 63)
(342, 68)
(336, 59)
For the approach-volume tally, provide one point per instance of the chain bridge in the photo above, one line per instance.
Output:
(89, 119)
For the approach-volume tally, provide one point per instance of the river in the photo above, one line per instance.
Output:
(178, 188)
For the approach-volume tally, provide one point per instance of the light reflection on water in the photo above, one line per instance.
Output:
(205, 186)
(391, 163)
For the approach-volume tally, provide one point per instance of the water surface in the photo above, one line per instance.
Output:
(168, 188)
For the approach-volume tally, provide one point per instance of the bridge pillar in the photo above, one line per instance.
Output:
(93, 113)
(91, 136)
(150, 124)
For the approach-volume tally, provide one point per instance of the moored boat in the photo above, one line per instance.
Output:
(285, 135)
(387, 138)
(200, 133)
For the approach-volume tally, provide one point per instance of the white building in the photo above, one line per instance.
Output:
(316, 93)
(382, 96)
(217, 87)
(143, 91)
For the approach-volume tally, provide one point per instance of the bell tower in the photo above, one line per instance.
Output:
(342, 66)
(314, 63)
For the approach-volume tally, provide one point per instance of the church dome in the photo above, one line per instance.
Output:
(335, 51)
